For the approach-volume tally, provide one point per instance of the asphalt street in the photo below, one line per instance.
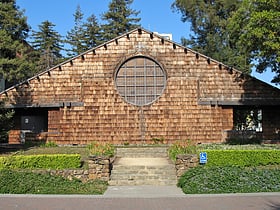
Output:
(142, 198)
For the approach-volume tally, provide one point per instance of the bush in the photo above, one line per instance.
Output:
(58, 161)
(229, 179)
(101, 149)
(24, 182)
(181, 147)
(49, 144)
(242, 157)
(6, 122)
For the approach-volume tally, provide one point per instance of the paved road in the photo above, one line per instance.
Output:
(143, 198)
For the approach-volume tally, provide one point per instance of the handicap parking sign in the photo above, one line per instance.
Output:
(203, 158)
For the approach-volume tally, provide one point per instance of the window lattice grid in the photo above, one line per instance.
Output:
(140, 81)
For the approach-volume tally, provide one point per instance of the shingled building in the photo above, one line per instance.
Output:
(137, 88)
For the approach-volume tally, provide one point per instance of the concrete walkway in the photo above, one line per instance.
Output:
(143, 192)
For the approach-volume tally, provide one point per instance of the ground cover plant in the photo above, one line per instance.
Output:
(230, 179)
(26, 182)
(182, 147)
(231, 168)
(101, 149)
(16, 176)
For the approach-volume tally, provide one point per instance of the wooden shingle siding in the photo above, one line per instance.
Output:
(189, 107)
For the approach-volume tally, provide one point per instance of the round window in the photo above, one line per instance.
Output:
(140, 81)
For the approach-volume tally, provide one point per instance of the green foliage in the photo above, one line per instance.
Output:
(182, 147)
(49, 144)
(6, 122)
(92, 35)
(15, 60)
(230, 179)
(76, 36)
(255, 26)
(101, 149)
(242, 157)
(209, 23)
(234, 169)
(47, 42)
(58, 161)
(120, 19)
(202, 147)
(19, 182)
(84, 35)
(243, 34)
(158, 141)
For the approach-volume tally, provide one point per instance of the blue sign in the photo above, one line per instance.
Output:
(203, 158)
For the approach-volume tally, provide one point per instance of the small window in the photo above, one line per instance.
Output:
(140, 81)
(248, 119)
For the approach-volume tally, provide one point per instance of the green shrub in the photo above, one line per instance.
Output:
(181, 147)
(101, 149)
(25, 182)
(57, 161)
(230, 179)
(157, 141)
(218, 146)
(49, 144)
(242, 157)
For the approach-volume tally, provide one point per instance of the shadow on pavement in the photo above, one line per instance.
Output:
(275, 206)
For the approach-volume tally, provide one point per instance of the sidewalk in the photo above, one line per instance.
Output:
(143, 192)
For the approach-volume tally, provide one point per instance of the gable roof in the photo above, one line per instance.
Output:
(268, 101)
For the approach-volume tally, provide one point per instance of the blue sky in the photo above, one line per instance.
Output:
(156, 16)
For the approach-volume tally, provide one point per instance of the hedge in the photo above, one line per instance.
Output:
(48, 161)
(242, 157)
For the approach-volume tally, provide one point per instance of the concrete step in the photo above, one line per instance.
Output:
(137, 168)
(132, 182)
(143, 166)
(140, 152)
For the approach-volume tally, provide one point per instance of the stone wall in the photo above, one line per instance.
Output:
(98, 168)
(185, 162)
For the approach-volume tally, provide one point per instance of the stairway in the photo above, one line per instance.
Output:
(142, 166)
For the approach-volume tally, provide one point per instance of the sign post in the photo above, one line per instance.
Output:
(203, 158)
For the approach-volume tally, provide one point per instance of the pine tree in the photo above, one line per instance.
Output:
(76, 36)
(211, 36)
(15, 62)
(6, 122)
(92, 32)
(47, 42)
(120, 19)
